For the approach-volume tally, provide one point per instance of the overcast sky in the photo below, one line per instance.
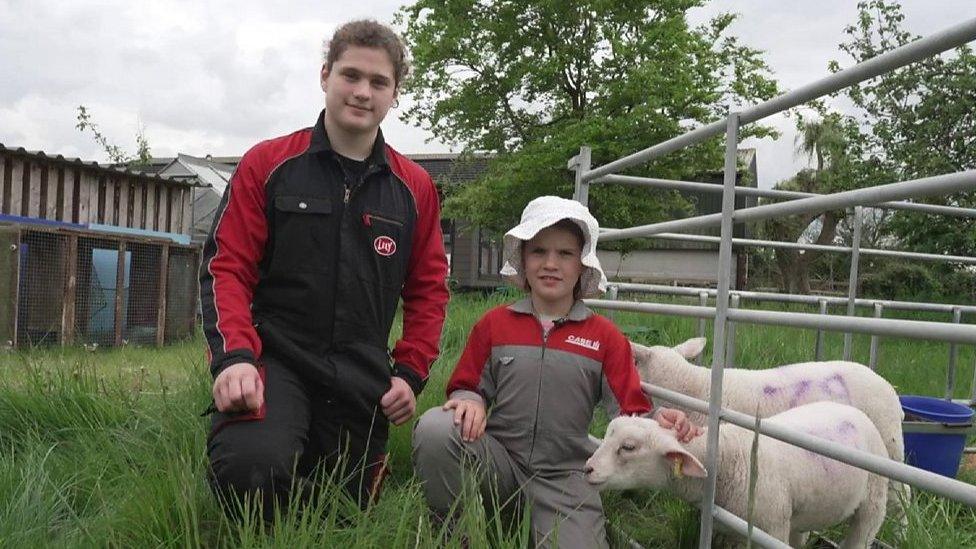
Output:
(218, 76)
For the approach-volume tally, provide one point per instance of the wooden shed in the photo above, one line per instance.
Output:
(92, 254)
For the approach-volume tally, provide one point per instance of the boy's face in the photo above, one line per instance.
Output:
(359, 90)
(552, 265)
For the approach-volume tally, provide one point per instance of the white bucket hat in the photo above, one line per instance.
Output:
(546, 211)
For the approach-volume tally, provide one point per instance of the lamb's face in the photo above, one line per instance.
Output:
(651, 360)
(637, 452)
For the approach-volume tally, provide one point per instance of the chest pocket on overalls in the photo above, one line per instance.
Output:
(387, 246)
(302, 231)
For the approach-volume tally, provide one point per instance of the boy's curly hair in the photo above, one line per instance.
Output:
(367, 33)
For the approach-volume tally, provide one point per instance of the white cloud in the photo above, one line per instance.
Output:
(218, 76)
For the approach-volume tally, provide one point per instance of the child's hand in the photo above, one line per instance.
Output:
(669, 418)
(470, 416)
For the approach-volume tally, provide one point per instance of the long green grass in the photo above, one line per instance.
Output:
(107, 449)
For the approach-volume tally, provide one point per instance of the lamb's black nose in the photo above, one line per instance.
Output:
(587, 469)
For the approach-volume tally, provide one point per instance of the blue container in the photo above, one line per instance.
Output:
(939, 453)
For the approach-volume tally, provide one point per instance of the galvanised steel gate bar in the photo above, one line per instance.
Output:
(962, 259)
(927, 186)
(695, 186)
(911, 329)
(920, 49)
(793, 298)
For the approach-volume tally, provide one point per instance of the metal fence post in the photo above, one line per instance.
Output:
(973, 397)
(581, 163)
(730, 346)
(718, 340)
(873, 359)
(818, 347)
(613, 296)
(953, 354)
(852, 281)
(703, 301)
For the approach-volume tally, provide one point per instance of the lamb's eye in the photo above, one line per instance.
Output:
(627, 447)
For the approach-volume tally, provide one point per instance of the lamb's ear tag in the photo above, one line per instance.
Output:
(676, 467)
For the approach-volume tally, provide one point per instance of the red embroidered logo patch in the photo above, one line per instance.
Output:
(384, 246)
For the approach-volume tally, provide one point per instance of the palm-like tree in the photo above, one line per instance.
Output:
(821, 140)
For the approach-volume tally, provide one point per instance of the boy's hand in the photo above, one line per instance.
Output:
(470, 416)
(238, 388)
(669, 418)
(399, 403)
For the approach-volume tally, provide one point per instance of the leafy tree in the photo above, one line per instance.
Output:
(116, 154)
(919, 120)
(835, 143)
(532, 81)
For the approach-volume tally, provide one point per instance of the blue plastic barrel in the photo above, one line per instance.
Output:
(939, 453)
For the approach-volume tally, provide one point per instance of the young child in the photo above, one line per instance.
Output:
(541, 365)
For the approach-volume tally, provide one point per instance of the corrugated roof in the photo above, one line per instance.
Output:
(208, 173)
(114, 169)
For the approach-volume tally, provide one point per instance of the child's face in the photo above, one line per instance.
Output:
(552, 264)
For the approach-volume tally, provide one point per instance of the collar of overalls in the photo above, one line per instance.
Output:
(320, 143)
(578, 312)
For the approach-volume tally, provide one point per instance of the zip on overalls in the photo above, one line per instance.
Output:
(542, 360)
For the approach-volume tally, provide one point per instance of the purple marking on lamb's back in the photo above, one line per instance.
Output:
(835, 388)
(845, 433)
(800, 389)
(769, 390)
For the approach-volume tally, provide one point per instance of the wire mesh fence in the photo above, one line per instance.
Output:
(142, 290)
(96, 290)
(181, 295)
(74, 287)
(43, 267)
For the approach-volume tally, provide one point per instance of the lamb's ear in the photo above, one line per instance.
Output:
(691, 348)
(685, 464)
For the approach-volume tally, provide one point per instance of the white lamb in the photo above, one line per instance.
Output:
(768, 392)
(796, 491)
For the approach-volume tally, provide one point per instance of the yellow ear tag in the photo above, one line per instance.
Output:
(676, 468)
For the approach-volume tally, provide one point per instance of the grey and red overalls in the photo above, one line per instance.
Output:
(541, 390)
(301, 275)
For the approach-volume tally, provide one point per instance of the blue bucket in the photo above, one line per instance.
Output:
(939, 453)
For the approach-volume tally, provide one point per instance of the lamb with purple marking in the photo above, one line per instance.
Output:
(797, 491)
(768, 392)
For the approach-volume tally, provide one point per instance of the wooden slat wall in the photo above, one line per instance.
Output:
(161, 204)
(17, 187)
(138, 205)
(4, 185)
(52, 181)
(107, 216)
(173, 215)
(63, 191)
(123, 217)
(187, 209)
(150, 206)
(34, 190)
(88, 207)
(68, 194)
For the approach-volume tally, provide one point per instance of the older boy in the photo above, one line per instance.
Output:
(318, 236)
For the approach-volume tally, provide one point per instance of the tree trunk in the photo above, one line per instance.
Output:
(794, 267)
